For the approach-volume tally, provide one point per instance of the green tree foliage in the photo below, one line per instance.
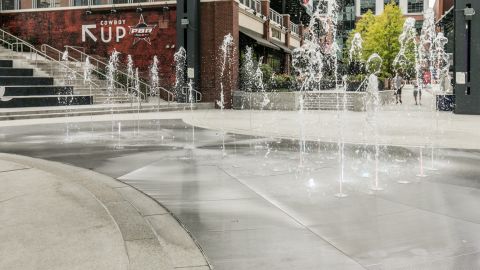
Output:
(361, 27)
(380, 35)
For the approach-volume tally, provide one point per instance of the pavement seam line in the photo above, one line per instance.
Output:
(197, 244)
(15, 170)
(295, 219)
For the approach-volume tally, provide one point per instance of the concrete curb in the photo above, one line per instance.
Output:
(153, 237)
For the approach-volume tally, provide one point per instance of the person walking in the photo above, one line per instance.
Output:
(398, 85)
(417, 93)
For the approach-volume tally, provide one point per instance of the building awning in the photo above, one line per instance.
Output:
(258, 38)
(448, 13)
(282, 46)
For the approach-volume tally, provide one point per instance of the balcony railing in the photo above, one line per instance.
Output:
(38, 4)
(295, 29)
(254, 5)
(276, 17)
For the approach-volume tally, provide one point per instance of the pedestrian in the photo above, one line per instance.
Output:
(417, 93)
(398, 85)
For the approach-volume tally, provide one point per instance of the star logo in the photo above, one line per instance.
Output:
(142, 31)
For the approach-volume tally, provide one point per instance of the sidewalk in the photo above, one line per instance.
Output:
(55, 216)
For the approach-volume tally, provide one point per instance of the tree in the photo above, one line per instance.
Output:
(381, 37)
(359, 32)
(361, 27)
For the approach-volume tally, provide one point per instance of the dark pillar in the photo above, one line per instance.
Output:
(188, 25)
(288, 34)
(467, 57)
(266, 25)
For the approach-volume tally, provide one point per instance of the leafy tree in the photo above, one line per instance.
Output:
(361, 27)
(382, 37)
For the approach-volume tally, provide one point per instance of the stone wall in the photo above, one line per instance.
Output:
(290, 101)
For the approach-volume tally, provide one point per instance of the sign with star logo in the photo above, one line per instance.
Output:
(142, 31)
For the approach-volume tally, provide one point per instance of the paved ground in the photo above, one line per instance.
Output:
(402, 125)
(56, 216)
(261, 204)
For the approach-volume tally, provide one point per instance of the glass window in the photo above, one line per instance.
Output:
(415, 6)
(8, 4)
(397, 2)
(418, 26)
(276, 34)
(367, 5)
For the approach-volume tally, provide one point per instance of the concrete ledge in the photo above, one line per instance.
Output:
(290, 101)
(152, 238)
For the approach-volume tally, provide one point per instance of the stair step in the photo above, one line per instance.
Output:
(87, 110)
(38, 90)
(19, 80)
(16, 71)
(38, 101)
(6, 63)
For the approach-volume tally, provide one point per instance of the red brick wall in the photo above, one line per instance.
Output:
(64, 27)
(218, 18)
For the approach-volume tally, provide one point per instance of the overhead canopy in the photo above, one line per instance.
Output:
(448, 13)
(258, 38)
(281, 46)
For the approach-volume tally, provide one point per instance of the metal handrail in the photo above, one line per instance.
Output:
(10, 46)
(198, 95)
(170, 95)
(295, 29)
(252, 4)
(32, 49)
(276, 17)
(44, 48)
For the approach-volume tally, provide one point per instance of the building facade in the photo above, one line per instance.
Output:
(444, 18)
(100, 26)
(410, 8)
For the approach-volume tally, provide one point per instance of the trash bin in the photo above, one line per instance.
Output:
(446, 102)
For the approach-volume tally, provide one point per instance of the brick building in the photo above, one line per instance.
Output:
(444, 18)
(100, 26)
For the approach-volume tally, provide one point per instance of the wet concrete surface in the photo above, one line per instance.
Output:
(260, 204)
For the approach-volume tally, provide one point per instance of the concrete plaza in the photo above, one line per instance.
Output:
(238, 183)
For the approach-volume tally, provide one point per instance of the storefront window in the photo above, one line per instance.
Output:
(367, 5)
(8, 4)
(415, 6)
(397, 2)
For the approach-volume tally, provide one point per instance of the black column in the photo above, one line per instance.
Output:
(467, 57)
(188, 28)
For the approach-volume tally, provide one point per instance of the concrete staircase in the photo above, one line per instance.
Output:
(20, 88)
(45, 68)
(99, 109)
(33, 87)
